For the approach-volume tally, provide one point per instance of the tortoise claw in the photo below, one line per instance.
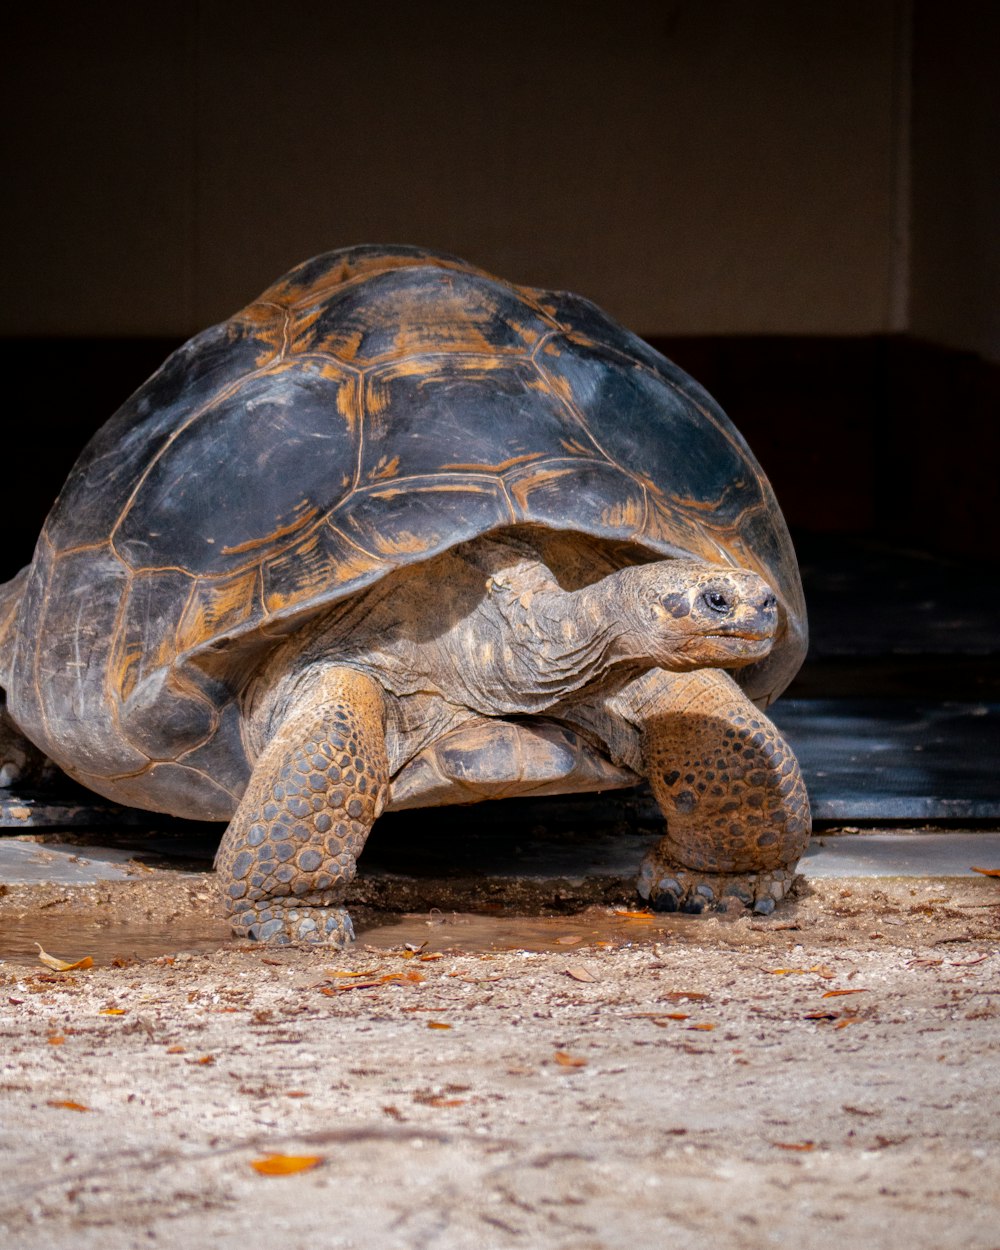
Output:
(668, 888)
(666, 895)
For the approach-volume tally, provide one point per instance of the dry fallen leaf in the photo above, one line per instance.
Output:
(579, 973)
(569, 1061)
(794, 1145)
(285, 1165)
(841, 993)
(819, 969)
(987, 872)
(112, 1011)
(446, 1097)
(66, 1104)
(55, 1039)
(390, 978)
(437, 1024)
(61, 965)
(704, 1028)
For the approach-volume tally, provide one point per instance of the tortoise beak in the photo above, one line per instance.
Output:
(756, 621)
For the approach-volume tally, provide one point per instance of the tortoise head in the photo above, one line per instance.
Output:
(685, 614)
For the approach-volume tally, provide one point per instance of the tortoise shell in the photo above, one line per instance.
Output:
(374, 407)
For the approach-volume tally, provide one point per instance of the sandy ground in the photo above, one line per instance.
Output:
(825, 1077)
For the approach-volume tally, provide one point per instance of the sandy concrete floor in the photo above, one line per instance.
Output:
(828, 1076)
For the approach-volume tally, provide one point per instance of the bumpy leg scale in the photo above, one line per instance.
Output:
(730, 788)
(290, 851)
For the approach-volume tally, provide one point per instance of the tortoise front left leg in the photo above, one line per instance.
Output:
(729, 786)
(290, 851)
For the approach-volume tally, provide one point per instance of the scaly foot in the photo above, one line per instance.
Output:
(666, 886)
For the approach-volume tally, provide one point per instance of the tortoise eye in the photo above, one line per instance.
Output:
(717, 601)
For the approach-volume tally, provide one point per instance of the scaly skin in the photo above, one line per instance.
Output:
(730, 789)
(290, 851)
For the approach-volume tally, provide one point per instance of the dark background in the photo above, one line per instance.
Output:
(797, 202)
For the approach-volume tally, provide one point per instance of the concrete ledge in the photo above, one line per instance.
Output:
(56, 863)
(900, 855)
(508, 868)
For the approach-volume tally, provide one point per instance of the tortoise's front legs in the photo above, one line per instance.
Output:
(289, 853)
(729, 786)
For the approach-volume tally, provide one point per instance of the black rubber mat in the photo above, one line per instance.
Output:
(896, 759)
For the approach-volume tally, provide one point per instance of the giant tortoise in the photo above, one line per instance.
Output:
(402, 534)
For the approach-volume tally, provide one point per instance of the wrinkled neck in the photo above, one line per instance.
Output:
(555, 641)
(594, 627)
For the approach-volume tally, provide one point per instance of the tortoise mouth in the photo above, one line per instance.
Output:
(743, 647)
(744, 635)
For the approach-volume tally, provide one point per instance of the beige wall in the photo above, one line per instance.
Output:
(696, 166)
(955, 291)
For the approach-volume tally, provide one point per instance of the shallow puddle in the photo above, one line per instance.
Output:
(72, 937)
(466, 931)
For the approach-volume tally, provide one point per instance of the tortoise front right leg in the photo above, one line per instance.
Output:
(290, 850)
(729, 787)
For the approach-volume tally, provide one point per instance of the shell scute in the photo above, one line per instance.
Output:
(401, 314)
(305, 571)
(640, 424)
(218, 607)
(312, 282)
(423, 516)
(586, 325)
(589, 491)
(189, 382)
(77, 655)
(262, 462)
(472, 416)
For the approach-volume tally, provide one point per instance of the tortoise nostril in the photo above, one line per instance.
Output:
(769, 602)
